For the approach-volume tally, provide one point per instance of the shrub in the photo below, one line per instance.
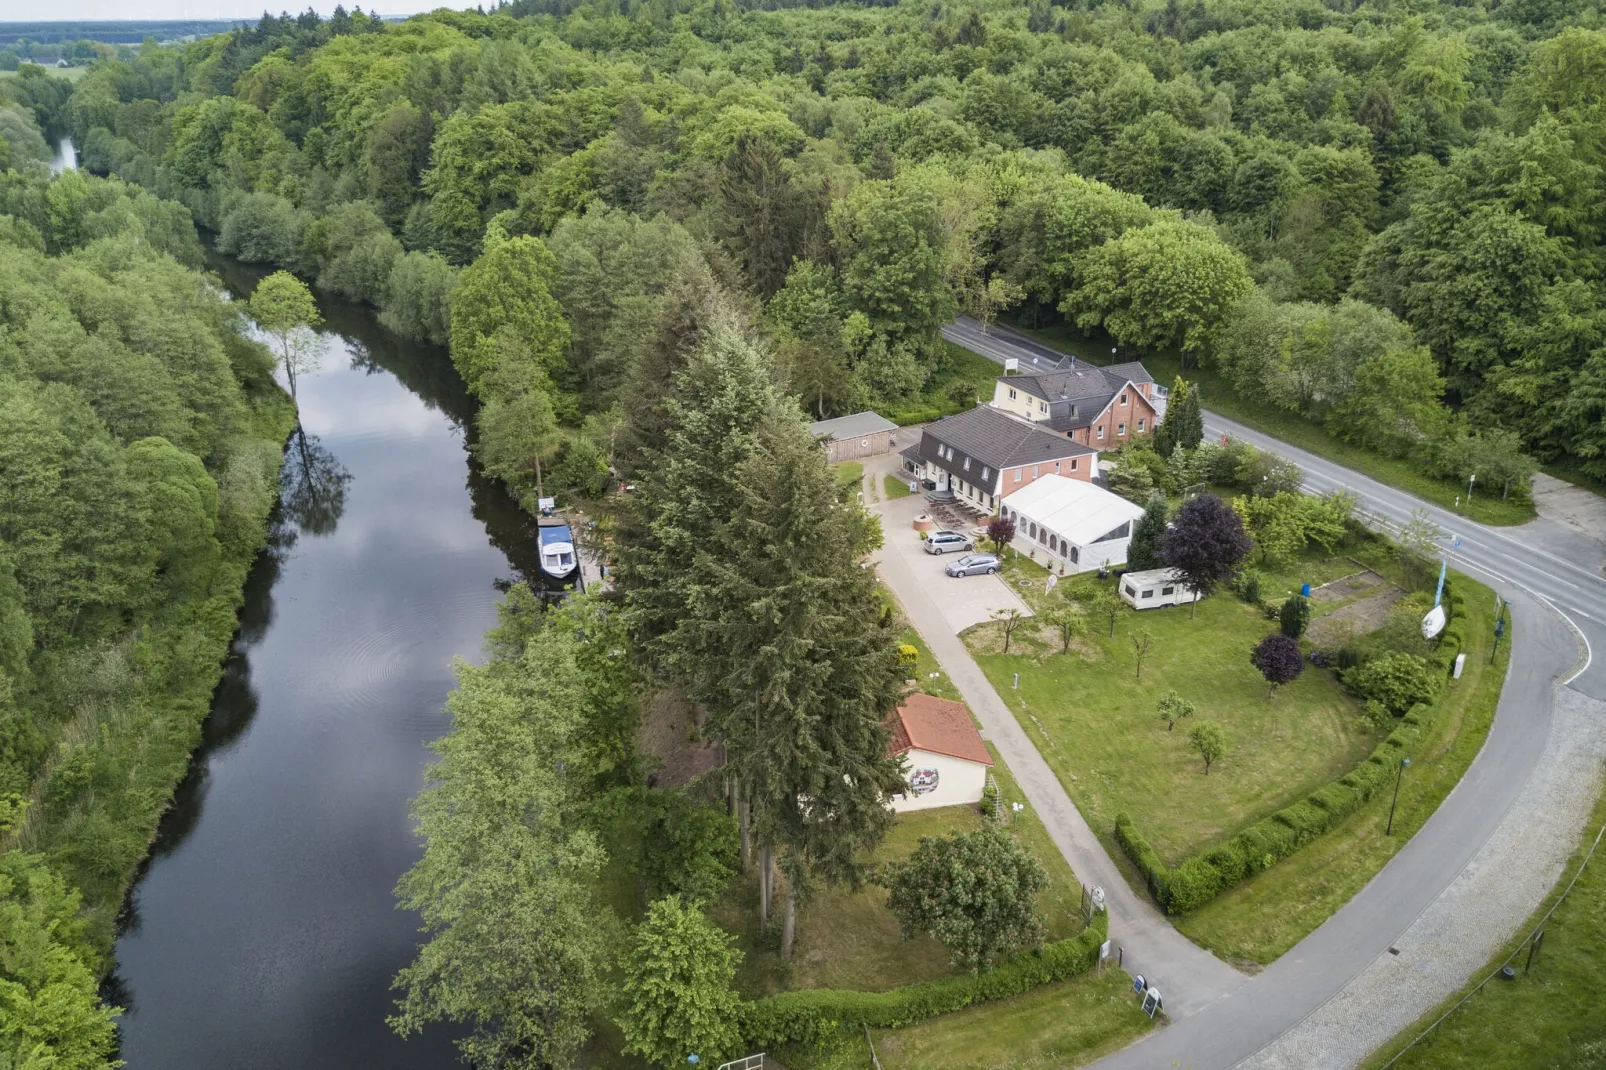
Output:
(1294, 616)
(1398, 681)
(1248, 586)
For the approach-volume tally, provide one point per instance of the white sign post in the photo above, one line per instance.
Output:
(1152, 1001)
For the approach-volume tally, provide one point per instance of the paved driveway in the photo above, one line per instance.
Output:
(964, 601)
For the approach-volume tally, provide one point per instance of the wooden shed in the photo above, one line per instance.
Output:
(849, 438)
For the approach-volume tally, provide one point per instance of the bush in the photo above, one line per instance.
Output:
(1398, 681)
(812, 1016)
(1294, 616)
(1248, 586)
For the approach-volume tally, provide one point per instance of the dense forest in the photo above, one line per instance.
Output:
(140, 435)
(1385, 219)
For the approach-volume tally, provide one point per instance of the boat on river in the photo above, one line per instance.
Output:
(560, 559)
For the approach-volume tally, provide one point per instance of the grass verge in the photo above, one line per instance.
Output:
(1549, 1017)
(1295, 430)
(895, 487)
(1263, 917)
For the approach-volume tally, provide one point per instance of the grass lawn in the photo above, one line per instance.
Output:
(848, 939)
(1550, 1017)
(71, 74)
(849, 473)
(1095, 722)
(1294, 429)
(1265, 916)
(895, 486)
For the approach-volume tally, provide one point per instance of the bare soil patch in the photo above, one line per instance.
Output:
(1355, 619)
(676, 751)
(1346, 587)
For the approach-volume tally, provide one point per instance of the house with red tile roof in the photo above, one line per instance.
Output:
(945, 759)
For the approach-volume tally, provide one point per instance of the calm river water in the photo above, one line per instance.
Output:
(263, 933)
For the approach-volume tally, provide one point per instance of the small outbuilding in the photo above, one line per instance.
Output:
(1156, 587)
(848, 438)
(947, 760)
(1071, 525)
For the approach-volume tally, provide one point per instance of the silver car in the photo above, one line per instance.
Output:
(974, 565)
(940, 542)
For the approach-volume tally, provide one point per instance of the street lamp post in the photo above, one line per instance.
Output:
(1398, 776)
(1473, 478)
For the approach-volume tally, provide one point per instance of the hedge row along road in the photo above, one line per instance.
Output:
(1553, 579)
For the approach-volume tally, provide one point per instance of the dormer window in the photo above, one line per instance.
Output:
(1042, 406)
(967, 464)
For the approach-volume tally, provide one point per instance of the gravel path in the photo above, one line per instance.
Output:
(1454, 938)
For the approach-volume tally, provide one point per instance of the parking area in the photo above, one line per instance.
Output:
(963, 601)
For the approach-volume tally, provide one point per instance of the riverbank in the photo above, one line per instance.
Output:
(129, 739)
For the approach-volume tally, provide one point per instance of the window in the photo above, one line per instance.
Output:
(1131, 591)
(985, 472)
(1168, 590)
(1031, 531)
(1123, 399)
(1012, 394)
(1073, 464)
(1017, 475)
(1042, 406)
(1100, 431)
(1140, 427)
(1121, 430)
(1149, 593)
(1053, 544)
(1036, 471)
(1065, 548)
(1076, 555)
(967, 464)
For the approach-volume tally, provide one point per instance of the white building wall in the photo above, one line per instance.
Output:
(958, 782)
(1089, 557)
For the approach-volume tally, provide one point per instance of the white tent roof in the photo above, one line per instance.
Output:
(1073, 509)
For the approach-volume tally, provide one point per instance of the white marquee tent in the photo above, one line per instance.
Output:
(1071, 523)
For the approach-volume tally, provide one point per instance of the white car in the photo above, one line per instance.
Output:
(940, 542)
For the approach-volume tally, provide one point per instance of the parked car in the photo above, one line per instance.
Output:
(940, 542)
(974, 565)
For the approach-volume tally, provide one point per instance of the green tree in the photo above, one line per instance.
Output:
(1396, 404)
(1398, 680)
(517, 945)
(1295, 616)
(52, 1016)
(974, 892)
(283, 307)
(889, 241)
(1209, 741)
(1183, 426)
(1172, 283)
(1173, 708)
(1144, 551)
(677, 988)
(507, 290)
(1068, 620)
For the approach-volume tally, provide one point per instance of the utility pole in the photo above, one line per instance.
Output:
(1398, 776)
(1473, 478)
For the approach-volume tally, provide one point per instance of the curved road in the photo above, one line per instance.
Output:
(1554, 581)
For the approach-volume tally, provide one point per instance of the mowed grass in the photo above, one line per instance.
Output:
(1096, 724)
(1550, 1017)
(1262, 918)
(71, 74)
(895, 486)
(1290, 427)
(849, 939)
(1068, 1023)
(849, 473)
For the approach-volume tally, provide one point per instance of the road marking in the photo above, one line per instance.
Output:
(1541, 571)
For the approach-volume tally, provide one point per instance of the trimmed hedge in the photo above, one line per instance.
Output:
(1268, 841)
(814, 1015)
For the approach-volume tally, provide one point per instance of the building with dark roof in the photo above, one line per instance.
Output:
(985, 454)
(1099, 407)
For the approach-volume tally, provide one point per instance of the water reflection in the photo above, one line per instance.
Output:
(262, 931)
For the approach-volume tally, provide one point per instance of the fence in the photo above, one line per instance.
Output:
(751, 1062)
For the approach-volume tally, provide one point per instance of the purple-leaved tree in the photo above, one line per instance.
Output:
(1279, 660)
(1205, 544)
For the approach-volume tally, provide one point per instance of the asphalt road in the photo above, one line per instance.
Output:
(1553, 579)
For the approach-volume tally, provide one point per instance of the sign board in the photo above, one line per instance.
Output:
(923, 781)
(1052, 580)
(1011, 364)
(1151, 1001)
(1460, 663)
(1104, 951)
(546, 503)
(1433, 623)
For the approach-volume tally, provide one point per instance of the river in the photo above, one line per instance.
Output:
(262, 933)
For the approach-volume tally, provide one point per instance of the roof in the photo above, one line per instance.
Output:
(1075, 510)
(995, 440)
(858, 425)
(939, 725)
(1086, 388)
(1153, 575)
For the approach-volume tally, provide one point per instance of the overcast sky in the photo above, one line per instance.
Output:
(205, 9)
